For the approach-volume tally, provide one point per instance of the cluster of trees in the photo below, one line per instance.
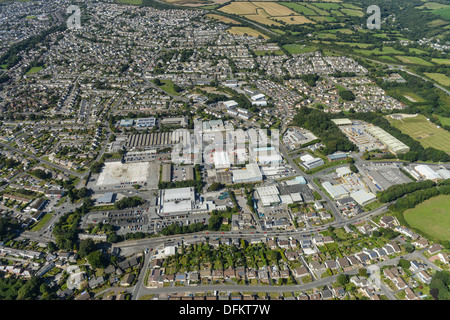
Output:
(88, 249)
(13, 288)
(397, 191)
(8, 228)
(321, 125)
(175, 228)
(66, 231)
(419, 196)
(76, 194)
(347, 95)
(439, 285)
(41, 174)
(128, 202)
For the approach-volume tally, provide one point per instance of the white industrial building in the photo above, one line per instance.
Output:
(221, 160)
(393, 144)
(251, 173)
(335, 191)
(444, 173)
(266, 156)
(427, 173)
(313, 163)
(179, 201)
(268, 195)
(363, 197)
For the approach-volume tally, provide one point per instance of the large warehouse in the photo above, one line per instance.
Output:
(179, 201)
(393, 144)
(251, 173)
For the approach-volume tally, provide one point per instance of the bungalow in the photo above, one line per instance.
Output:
(263, 276)
(410, 295)
(316, 266)
(205, 273)
(435, 248)
(400, 283)
(251, 274)
(420, 243)
(274, 273)
(217, 274)
(388, 222)
(343, 262)
(300, 272)
(318, 240)
(229, 273)
(338, 292)
(284, 244)
(180, 277)
(128, 280)
(380, 252)
(330, 264)
(96, 282)
(394, 247)
(326, 294)
(359, 281)
(193, 276)
(291, 255)
(240, 273)
(328, 239)
(284, 274)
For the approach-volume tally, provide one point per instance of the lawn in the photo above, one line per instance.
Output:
(431, 217)
(34, 70)
(440, 78)
(445, 121)
(168, 86)
(427, 133)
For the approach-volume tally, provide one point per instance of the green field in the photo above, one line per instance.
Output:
(444, 121)
(414, 60)
(441, 61)
(440, 78)
(299, 8)
(431, 217)
(444, 13)
(298, 48)
(427, 133)
(34, 70)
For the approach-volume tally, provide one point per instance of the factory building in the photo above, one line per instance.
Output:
(392, 144)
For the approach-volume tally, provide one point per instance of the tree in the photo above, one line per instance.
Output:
(97, 259)
(342, 279)
(86, 247)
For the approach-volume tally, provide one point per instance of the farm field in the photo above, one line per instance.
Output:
(441, 61)
(440, 78)
(432, 217)
(265, 12)
(299, 8)
(427, 133)
(413, 60)
(246, 30)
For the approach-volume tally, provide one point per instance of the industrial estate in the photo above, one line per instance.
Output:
(222, 150)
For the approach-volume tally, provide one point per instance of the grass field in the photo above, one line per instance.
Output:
(444, 120)
(427, 133)
(432, 217)
(298, 48)
(440, 78)
(246, 30)
(299, 8)
(414, 60)
(444, 13)
(34, 70)
(441, 61)
(352, 12)
(293, 19)
(135, 2)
